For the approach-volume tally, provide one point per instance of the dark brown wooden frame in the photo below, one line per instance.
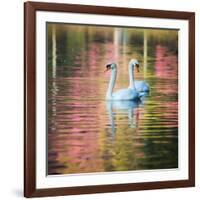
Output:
(30, 9)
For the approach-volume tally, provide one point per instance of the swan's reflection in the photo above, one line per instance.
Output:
(128, 107)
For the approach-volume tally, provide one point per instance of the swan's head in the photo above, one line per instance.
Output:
(134, 63)
(111, 66)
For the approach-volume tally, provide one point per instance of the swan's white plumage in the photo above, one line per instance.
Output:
(123, 94)
(140, 86)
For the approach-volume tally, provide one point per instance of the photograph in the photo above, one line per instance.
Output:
(112, 98)
(109, 99)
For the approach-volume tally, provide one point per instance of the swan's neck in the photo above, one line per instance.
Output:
(111, 84)
(131, 76)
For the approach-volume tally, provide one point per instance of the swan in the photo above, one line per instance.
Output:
(123, 94)
(140, 86)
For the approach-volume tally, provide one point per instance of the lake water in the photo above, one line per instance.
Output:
(86, 133)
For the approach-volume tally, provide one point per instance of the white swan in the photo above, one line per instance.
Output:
(140, 86)
(123, 94)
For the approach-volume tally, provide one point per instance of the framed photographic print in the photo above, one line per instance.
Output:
(109, 99)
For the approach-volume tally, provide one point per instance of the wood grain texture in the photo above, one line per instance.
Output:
(29, 101)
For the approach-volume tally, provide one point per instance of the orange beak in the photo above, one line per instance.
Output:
(106, 70)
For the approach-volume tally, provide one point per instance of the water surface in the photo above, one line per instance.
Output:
(86, 133)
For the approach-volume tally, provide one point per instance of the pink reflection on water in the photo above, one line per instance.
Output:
(166, 64)
(166, 67)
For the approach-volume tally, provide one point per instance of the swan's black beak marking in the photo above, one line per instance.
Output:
(137, 66)
(108, 67)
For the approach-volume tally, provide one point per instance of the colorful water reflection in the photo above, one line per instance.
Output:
(86, 133)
